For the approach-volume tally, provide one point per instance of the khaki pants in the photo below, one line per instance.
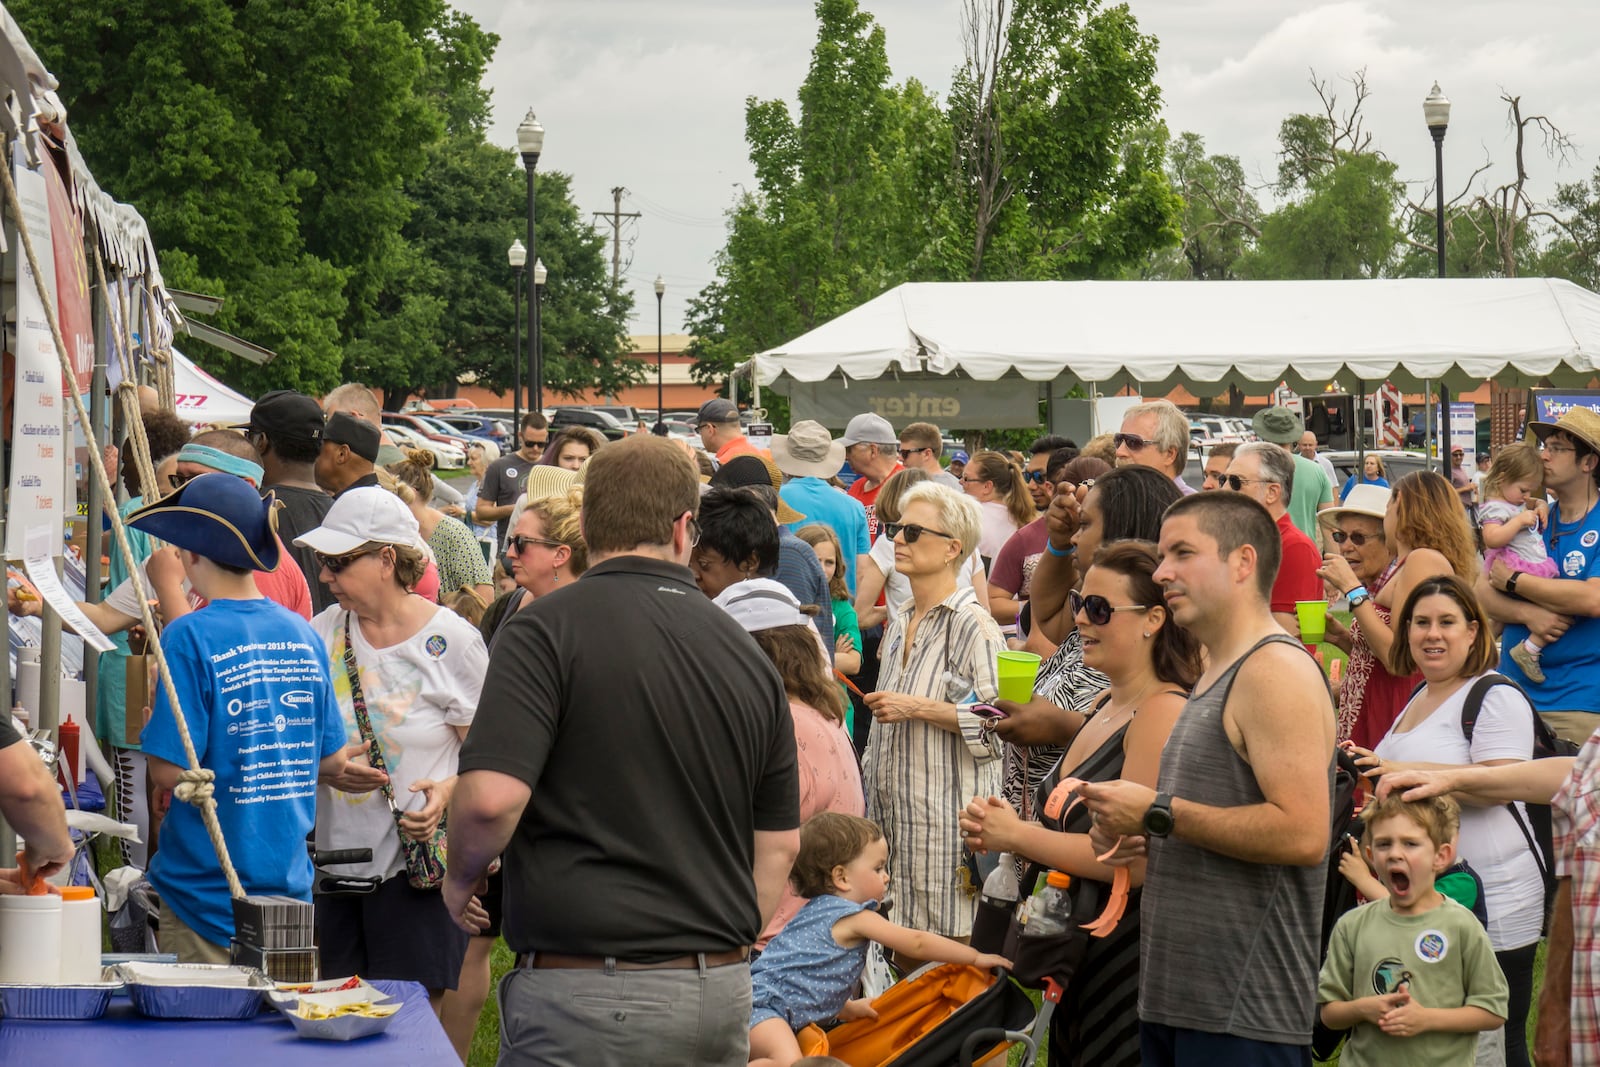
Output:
(1574, 726)
(174, 935)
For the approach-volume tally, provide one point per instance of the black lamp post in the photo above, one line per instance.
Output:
(530, 141)
(1436, 111)
(661, 407)
(539, 275)
(518, 257)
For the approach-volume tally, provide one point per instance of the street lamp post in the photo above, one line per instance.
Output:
(661, 407)
(530, 142)
(518, 257)
(1436, 111)
(539, 275)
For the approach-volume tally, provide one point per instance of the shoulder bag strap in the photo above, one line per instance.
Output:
(1469, 719)
(358, 703)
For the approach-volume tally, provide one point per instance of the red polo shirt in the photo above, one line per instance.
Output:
(1297, 574)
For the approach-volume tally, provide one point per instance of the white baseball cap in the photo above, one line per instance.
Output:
(761, 604)
(360, 516)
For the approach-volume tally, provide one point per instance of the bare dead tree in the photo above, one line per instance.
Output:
(979, 142)
(1509, 207)
(1345, 132)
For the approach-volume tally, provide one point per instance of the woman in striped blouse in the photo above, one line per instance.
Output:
(928, 754)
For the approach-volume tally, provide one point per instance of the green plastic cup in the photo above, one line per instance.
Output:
(1017, 672)
(1313, 616)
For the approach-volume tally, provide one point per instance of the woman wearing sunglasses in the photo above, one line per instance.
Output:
(879, 580)
(1424, 535)
(997, 483)
(928, 752)
(1150, 664)
(416, 668)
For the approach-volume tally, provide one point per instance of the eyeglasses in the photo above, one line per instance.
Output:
(1551, 446)
(528, 442)
(1097, 609)
(177, 481)
(1237, 483)
(1357, 539)
(1035, 477)
(1131, 441)
(337, 564)
(516, 543)
(913, 532)
(974, 481)
(907, 453)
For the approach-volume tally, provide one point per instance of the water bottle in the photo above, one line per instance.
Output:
(1050, 912)
(1000, 888)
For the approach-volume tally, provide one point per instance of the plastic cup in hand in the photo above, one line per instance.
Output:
(1313, 616)
(1017, 672)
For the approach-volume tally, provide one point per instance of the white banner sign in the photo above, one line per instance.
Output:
(38, 467)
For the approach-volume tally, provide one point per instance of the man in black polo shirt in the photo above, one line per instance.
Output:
(634, 759)
(503, 481)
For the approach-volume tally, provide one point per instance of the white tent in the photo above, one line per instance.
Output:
(200, 398)
(1162, 334)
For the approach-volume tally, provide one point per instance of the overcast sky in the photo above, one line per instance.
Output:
(650, 96)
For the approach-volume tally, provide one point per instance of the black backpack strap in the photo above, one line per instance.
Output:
(1470, 709)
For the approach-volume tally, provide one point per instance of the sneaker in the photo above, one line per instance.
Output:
(1528, 660)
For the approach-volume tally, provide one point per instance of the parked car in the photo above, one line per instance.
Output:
(426, 427)
(446, 456)
(1396, 464)
(623, 413)
(474, 424)
(609, 427)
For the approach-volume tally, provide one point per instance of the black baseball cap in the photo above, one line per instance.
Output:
(359, 435)
(286, 414)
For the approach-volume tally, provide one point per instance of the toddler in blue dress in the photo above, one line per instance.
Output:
(810, 968)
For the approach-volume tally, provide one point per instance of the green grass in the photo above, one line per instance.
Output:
(486, 1038)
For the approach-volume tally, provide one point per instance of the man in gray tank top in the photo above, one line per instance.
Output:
(1236, 834)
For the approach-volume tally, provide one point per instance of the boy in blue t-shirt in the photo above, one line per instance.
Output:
(1413, 977)
(252, 680)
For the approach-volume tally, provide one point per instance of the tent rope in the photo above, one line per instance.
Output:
(196, 778)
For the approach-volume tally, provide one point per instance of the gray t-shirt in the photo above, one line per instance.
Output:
(502, 484)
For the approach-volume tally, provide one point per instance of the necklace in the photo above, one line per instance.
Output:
(1114, 715)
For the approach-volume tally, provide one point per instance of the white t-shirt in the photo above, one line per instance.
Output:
(998, 528)
(1490, 840)
(416, 692)
(897, 587)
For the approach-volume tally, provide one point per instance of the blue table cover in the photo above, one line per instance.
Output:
(127, 1039)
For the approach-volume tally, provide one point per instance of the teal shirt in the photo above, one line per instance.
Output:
(1310, 492)
(845, 622)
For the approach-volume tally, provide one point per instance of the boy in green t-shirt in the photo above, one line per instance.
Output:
(1413, 977)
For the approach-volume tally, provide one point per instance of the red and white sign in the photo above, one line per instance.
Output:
(1391, 419)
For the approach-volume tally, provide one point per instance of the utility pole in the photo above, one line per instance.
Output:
(615, 217)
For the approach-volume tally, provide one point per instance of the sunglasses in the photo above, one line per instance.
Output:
(515, 544)
(337, 564)
(907, 453)
(528, 442)
(1097, 609)
(913, 532)
(1357, 539)
(1034, 477)
(1237, 483)
(1131, 441)
(177, 481)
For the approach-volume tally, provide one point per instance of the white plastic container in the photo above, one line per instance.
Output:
(80, 935)
(30, 939)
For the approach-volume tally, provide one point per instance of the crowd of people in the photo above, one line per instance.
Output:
(682, 726)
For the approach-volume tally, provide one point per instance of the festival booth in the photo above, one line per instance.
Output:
(89, 318)
(982, 354)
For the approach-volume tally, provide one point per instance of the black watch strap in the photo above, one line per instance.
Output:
(1511, 583)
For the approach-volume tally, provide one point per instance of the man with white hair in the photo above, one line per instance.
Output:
(1155, 434)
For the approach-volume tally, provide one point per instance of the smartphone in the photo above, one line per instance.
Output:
(987, 711)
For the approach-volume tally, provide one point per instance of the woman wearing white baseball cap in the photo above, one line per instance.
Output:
(406, 673)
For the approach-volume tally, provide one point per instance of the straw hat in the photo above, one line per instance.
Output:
(546, 481)
(1581, 423)
(1369, 500)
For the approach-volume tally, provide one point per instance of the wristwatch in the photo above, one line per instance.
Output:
(1158, 817)
(1358, 596)
(1511, 583)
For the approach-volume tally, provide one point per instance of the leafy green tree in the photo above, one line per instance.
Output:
(1221, 218)
(1345, 226)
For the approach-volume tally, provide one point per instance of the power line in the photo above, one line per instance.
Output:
(615, 217)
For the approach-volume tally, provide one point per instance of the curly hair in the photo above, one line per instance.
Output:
(828, 839)
(560, 517)
(793, 650)
(1428, 514)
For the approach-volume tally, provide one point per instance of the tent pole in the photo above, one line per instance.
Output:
(1444, 423)
(94, 539)
(1094, 409)
(1428, 430)
(1361, 428)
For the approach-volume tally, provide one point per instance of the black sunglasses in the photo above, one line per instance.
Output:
(907, 453)
(516, 543)
(1237, 483)
(913, 532)
(529, 443)
(1036, 477)
(177, 481)
(1131, 441)
(337, 564)
(1357, 539)
(1097, 609)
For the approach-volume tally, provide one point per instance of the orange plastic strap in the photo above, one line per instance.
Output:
(1056, 807)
